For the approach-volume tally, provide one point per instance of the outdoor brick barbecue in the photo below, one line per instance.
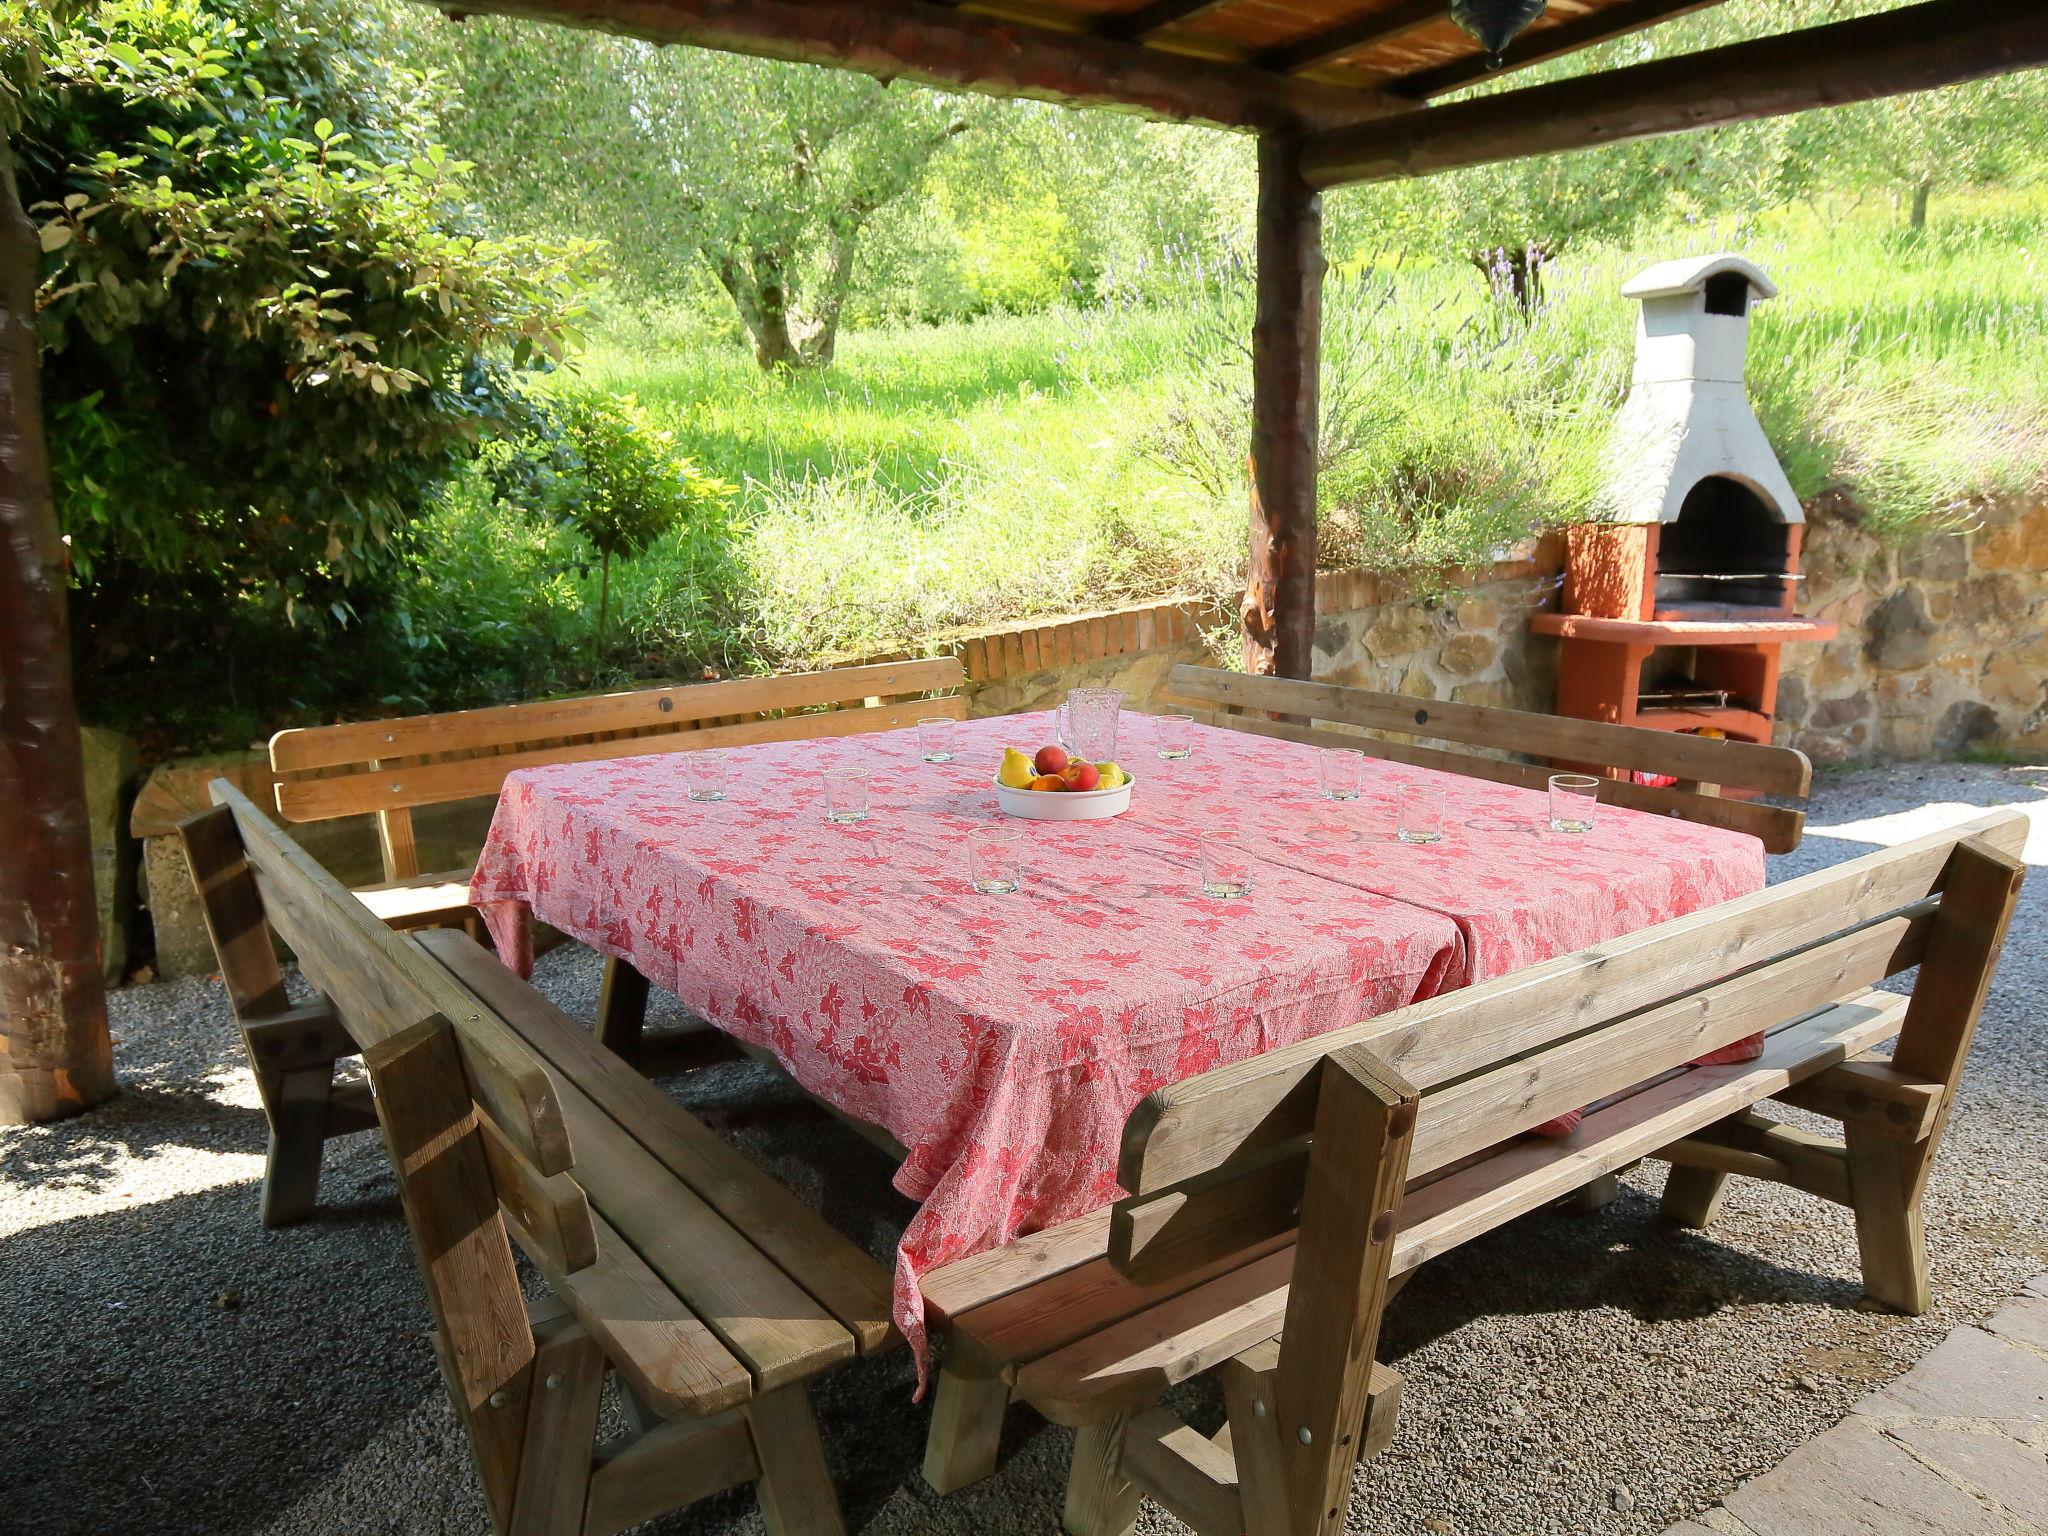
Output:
(1676, 609)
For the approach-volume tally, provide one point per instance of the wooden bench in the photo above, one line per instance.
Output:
(708, 1290)
(1276, 1204)
(1704, 767)
(390, 768)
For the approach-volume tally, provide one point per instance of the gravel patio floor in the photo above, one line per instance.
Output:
(169, 1366)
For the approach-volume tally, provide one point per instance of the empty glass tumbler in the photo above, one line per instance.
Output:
(935, 740)
(1226, 869)
(1176, 736)
(1419, 816)
(1340, 772)
(995, 861)
(1574, 801)
(708, 774)
(846, 794)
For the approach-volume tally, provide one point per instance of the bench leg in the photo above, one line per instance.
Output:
(1598, 1195)
(1889, 1232)
(561, 1431)
(1692, 1196)
(967, 1417)
(298, 1130)
(795, 1489)
(1101, 1500)
(621, 1009)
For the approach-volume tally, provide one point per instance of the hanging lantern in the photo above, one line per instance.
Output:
(1495, 23)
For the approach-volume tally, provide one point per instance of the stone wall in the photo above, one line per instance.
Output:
(1943, 648)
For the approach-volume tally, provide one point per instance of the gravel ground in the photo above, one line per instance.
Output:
(169, 1366)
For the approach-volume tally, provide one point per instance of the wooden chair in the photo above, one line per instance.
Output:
(1703, 766)
(390, 768)
(1275, 1205)
(709, 1292)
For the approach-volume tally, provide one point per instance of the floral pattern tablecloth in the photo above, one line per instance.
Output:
(1004, 1039)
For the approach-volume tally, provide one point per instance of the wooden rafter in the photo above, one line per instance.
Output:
(1918, 47)
(934, 45)
(1353, 35)
(1543, 44)
(1150, 20)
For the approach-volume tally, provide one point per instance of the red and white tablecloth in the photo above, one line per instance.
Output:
(1004, 1039)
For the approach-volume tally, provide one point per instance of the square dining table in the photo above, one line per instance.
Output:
(1003, 1040)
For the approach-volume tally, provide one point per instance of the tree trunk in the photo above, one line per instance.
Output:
(55, 1056)
(1922, 194)
(1280, 598)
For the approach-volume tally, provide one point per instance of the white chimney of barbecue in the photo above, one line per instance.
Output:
(1687, 416)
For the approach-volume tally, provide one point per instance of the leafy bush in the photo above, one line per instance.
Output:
(270, 327)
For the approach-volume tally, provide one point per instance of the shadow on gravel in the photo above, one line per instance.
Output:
(141, 1124)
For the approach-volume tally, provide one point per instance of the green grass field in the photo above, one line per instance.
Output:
(1018, 467)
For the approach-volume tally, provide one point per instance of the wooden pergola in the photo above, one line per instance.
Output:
(1338, 92)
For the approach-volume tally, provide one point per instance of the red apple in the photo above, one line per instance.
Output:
(1050, 760)
(1082, 775)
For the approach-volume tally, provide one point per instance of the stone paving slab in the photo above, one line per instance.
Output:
(1958, 1446)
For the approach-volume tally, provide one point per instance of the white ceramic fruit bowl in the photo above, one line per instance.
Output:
(1064, 804)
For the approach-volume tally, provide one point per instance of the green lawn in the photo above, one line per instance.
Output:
(1016, 467)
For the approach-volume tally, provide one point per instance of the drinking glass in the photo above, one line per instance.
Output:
(1419, 816)
(1226, 869)
(708, 774)
(1574, 798)
(995, 861)
(846, 794)
(1088, 721)
(1340, 772)
(935, 740)
(1176, 736)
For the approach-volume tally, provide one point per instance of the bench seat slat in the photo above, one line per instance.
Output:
(844, 1279)
(675, 1363)
(763, 1317)
(443, 894)
(1133, 1362)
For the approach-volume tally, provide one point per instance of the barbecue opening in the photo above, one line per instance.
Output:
(1727, 549)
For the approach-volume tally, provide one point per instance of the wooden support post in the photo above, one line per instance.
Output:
(621, 1009)
(56, 1057)
(1358, 1168)
(1101, 1498)
(967, 1416)
(561, 1431)
(1279, 612)
(795, 1486)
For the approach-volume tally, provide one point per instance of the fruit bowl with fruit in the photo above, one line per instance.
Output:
(1055, 787)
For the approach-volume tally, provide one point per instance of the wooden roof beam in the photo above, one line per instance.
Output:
(933, 45)
(1150, 20)
(1540, 45)
(1891, 53)
(1359, 32)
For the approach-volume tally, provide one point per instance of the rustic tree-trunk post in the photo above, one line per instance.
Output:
(55, 1056)
(1280, 597)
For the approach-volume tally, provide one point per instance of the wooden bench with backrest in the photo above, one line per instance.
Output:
(1275, 1205)
(390, 768)
(707, 1289)
(1703, 767)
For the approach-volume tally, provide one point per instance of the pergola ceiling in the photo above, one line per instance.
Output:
(1407, 48)
(1350, 81)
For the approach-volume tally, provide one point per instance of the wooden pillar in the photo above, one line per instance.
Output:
(1280, 597)
(55, 1056)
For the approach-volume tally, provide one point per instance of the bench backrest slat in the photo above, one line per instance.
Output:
(382, 985)
(1702, 765)
(469, 778)
(1218, 1162)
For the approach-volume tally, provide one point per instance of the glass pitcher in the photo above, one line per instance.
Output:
(1088, 722)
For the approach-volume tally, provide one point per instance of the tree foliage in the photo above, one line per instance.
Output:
(759, 177)
(270, 323)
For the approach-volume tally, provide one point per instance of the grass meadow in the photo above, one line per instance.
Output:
(1021, 466)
